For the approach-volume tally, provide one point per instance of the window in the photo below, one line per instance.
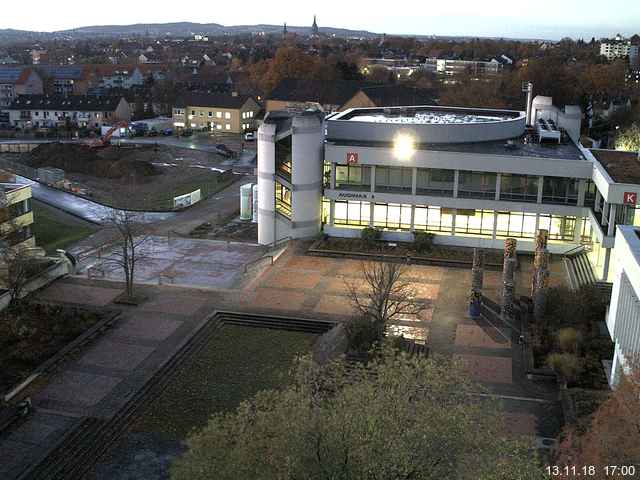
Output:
(210, 114)
(283, 200)
(434, 181)
(353, 177)
(475, 222)
(515, 224)
(352, 213)
(476, 185)
(219, 127)
(227, 126)
(432, 219)
(559, 227)
(519, 187)
(201, 113)
(283, 158)
(250, 114)
(392, 216)
(227, 115)
(393, 179)
(560, 190)
(218, 114)
(193, 113)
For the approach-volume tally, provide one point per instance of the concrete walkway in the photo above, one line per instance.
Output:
(104, 376)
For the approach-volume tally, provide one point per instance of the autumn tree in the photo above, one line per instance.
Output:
(613, 434)
(629, 139)
(400, 417)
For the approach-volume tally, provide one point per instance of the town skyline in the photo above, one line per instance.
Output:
(465, 19)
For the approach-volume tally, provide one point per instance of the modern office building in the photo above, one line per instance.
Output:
(473, 177)
(623, 320)
(16, 216)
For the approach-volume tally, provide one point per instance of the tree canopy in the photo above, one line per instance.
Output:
(400, 417)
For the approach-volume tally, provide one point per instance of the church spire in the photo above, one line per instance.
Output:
(314, 27)
(284, 30)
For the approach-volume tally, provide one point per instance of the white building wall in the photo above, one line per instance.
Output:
(623, 319)
(306, 176)
(266, 184)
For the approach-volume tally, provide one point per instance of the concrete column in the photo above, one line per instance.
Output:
(456, 179)
(577, 235)
(605, 267)
(414, 181)
(612, 220)
(582, 190)
(413, 218)
(372, 206)
(332, 211)
(333, 175)
(453, 222)
(498, 182)
(597, 202)
(540, 189)
(605, 214)
(373, 179)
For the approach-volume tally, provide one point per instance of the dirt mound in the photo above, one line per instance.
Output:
(109, 162)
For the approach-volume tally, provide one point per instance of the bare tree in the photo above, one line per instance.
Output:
(130, 236)
(14, 270)
(386, 296)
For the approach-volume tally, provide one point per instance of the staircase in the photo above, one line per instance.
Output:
(580, 272)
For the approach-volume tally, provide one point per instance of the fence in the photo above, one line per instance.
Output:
(18, 168)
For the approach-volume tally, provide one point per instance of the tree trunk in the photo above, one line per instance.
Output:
(508, 278)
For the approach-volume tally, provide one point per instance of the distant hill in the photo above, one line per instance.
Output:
(178, 29)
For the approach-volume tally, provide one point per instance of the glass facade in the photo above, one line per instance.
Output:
(433, 219)
(283, 200)
(392, 216)
(559, 227)
(353, 177)
(435, 181)
(521, 188)
(394, 179)
(475, 222)
(560, 190)
(476, 185)
(354, 214)
(283, 158)
(515, 224)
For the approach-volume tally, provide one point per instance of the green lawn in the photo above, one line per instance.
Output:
(236, 363)
(55, 230)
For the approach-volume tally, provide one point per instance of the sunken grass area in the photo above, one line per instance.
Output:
(235, 364)
(55, 229)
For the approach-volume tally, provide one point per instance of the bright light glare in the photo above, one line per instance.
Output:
(403, 147)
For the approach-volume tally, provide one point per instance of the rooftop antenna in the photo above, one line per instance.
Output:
(527, 87)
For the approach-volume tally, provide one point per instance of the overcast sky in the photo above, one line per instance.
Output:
(549, 19)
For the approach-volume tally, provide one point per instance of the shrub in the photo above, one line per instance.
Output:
(423, 242)
(362, 333)
(567, 365)
(568, 339)
(370, 235)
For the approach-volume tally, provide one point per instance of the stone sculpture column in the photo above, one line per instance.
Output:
(508, 278)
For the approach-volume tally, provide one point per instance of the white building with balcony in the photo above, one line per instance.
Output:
(472, 177)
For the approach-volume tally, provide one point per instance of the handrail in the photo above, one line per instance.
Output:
(575, 250)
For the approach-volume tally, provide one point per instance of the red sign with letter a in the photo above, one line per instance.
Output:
(352, 158)
(630, 198)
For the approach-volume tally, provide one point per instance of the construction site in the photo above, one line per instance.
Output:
(135, 177)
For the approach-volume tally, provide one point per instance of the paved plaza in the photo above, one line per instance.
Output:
(98, 381)
(178, 261)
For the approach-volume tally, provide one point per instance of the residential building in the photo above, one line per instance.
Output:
(16, 216)
(16, 81)
(41, 111)
(623, 318)
(619, 47)
(216, 112)
(39, 57)
(472, 177)
(126, 76)
(452, 67)
(67, 79)
(297, 95)
(389, 96)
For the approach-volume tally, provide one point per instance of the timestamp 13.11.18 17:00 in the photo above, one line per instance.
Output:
(569, 471)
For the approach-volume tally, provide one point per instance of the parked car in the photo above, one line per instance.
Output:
(224, 150)
(153, 132)
(250, 136)
(187, 133)
(167, 132)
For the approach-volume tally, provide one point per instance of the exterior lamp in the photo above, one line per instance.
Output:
(404, 147)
